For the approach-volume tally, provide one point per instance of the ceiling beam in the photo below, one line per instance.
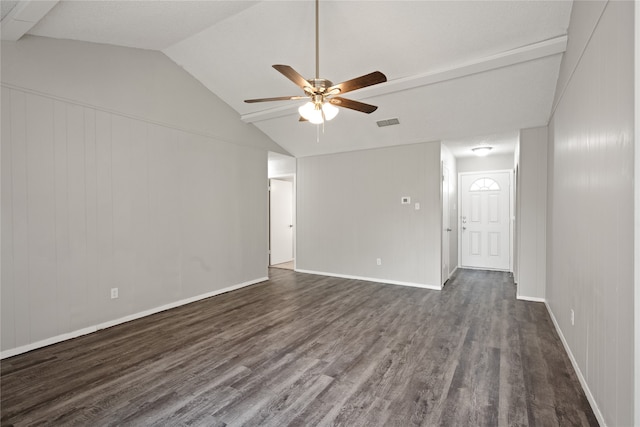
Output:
(512, 57)
(23, 17)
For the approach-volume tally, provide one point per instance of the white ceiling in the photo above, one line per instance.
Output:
(502, 143)
(455, 69)
(7, 6)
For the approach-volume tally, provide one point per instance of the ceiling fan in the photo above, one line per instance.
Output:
(322, 93)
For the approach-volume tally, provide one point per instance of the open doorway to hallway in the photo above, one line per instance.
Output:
(282, 174)
(483, 200)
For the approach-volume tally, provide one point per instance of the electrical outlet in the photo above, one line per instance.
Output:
(114, 293)
(573, 318)
(378, 261)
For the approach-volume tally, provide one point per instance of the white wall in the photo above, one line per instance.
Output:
(487, 163)
(93, 199)
(139, 83)
(583, 20)
(450, 161)
(349, 214)
(280, 165)
(637, 216)
(531, 211)
(590, 206)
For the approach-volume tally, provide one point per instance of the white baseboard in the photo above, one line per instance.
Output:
(534, 299)
(583, 382)
(372, 279)
(85, 331)
(45, 342)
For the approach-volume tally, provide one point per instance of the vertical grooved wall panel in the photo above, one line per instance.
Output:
(104, 210)
(61, 178)
(19, 203)
(93, 200)
(76, 299)
(591, 159)
(41, 215)
(7, 297)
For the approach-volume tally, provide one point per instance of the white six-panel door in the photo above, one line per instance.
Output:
(484, 220)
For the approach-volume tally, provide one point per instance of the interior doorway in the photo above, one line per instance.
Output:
(485, 225)
(446, 224)
(281, 223)
(281, 171)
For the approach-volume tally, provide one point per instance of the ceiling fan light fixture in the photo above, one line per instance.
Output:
(313, 112)
(330, 111)
(482, 150)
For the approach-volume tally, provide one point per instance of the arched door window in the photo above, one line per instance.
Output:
(484, 184)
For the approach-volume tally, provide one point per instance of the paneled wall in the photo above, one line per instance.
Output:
(590, 230)
(93, 200)
(138, 83)
(531, 212)
(637, 216)
(349, 214)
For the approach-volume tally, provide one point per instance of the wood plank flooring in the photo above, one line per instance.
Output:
(306, 350)
(286, 265)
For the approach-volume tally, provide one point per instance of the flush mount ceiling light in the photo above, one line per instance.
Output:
(482, 150)
(321, 93)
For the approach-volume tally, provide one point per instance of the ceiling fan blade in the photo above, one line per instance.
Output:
(353, 105)
(292, 75)
(302, 119)
(278, 98)
(359, 82)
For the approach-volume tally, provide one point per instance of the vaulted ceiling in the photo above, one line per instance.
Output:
(456, 69)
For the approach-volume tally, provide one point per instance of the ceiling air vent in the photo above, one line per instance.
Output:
(390, 122)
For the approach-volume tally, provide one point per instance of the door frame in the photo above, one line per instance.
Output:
(286, 176)
(445, 236)
(511, 211)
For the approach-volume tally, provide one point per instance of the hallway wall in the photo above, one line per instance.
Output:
(590, 210)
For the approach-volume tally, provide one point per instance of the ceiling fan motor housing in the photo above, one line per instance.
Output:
(320, 85)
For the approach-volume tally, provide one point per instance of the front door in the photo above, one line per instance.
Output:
(484, 221)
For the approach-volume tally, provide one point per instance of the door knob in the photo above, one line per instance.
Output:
(448, 229)
(290, 225)
(464, 228)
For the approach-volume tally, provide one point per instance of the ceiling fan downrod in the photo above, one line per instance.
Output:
(317, 40)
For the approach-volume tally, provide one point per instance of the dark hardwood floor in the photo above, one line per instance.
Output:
(306, 350)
